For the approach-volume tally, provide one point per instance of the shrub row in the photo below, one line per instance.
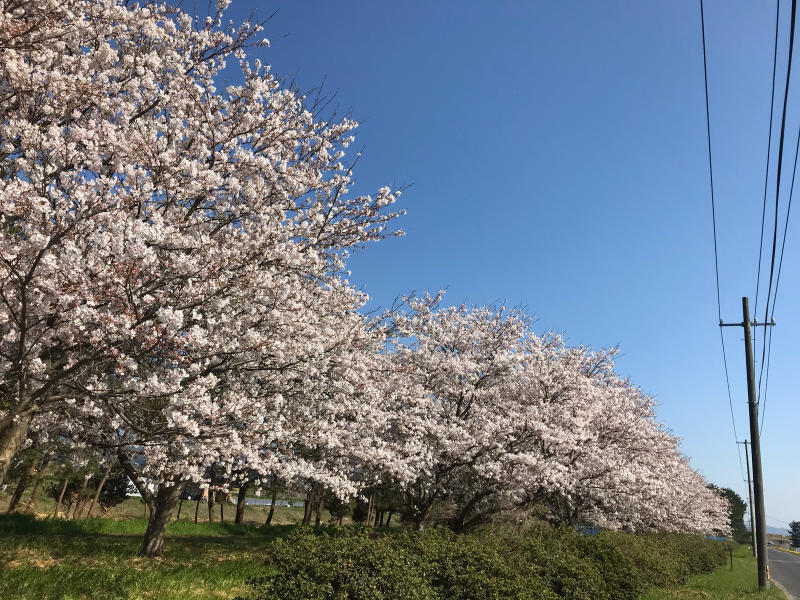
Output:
(539, 564)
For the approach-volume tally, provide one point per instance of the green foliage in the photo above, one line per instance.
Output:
(723, 584)
(337, 508)
(360, 511)
(349, 565)
(543, 564)
(53, 491)
(737, 509)
(794, 533)
(115, 490)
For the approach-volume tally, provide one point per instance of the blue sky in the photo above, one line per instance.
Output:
(557, 152)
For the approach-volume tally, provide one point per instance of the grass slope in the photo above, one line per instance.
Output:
(722, 584)
(96, 559)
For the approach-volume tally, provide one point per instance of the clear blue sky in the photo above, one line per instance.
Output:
(557, 152)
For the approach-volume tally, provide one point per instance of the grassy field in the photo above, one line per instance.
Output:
(46, 558)
(133, 507)
(723, 584)
(96, 558)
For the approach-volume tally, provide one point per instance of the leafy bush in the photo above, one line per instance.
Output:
(116, 489)
(546, 564)
(350, 565)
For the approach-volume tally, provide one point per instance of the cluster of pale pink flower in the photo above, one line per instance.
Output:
(172, 291)
(515, 419)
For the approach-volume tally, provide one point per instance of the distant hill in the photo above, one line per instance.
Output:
(773, 530)
(777, 530)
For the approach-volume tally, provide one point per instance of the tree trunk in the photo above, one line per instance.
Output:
(60, 497)
(339, 522)
(37, 488)
(307, 509)
(98, 492)
(180, 508)
(240, 502)
(211, 497)
(82, 499)
(197, 508)
(12, 435)
(318, 508)
(389, 518)
(370, 509)
(18, 491)
(165, 501)
(271, 507)
(222, 501)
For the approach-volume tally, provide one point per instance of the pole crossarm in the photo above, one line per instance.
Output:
(752, 324)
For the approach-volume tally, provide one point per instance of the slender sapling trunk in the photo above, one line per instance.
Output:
(98, 492)
(60, 497)
(271, 507)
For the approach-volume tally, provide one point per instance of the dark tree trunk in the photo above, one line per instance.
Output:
(211, 498)
(98, 492)
(272, 507)
(370, 509)
(240, 502)
(180, 508)
(18, 491)
(37, 488)
(380, 523)
(197, 508)
(339, 522)
(459, 523)
(165, 501)
(12, 434)
(79, 499)
(389, 518)
(307, 509)
(222, 501)
(60, 497)
(318, 510)
(420, 516)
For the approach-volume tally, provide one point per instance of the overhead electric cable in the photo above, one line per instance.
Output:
(769, 150)
(777, 197)
(714, 229)
(778, 278)
(778, 178)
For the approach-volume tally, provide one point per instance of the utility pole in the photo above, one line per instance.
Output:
(750, 491)
(755, 442)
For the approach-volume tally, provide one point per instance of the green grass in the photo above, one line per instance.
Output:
(722, 584)
(96, 559)
(48, 558)
(134, 508)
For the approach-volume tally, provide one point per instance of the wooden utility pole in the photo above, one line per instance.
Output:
(755, 442)
(750, 491)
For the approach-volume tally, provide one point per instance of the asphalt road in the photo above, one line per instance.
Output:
(785, 569)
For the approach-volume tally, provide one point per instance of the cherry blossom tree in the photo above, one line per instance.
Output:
(516, 419)
(171, 255)
(173, 291)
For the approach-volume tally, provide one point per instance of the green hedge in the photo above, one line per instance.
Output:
(540, 564)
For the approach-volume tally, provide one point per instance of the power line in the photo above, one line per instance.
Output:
(778, 179)
(786, 223)
(714, 229)
(777, 214)
(710, 162)
(778, 278)
(769, 150)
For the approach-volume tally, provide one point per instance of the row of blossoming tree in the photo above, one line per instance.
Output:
(173, 294)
